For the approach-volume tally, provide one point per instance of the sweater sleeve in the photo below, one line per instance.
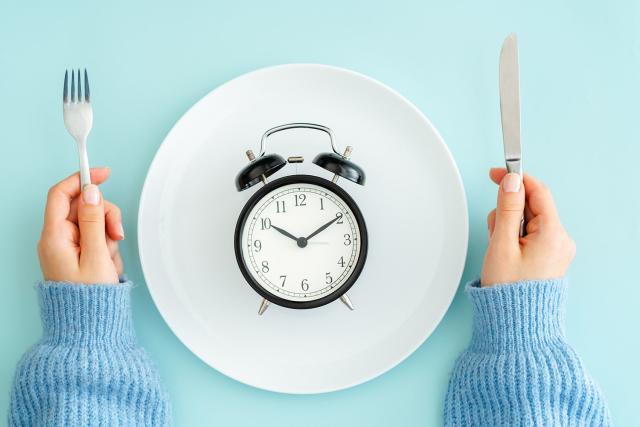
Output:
(518, 369)
(87, 369)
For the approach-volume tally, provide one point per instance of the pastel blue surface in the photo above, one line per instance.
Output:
(149, 63)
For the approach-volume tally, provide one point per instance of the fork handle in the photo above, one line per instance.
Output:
(85, 174)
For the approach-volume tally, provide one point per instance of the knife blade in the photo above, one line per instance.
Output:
(510, 103)
(510, 107)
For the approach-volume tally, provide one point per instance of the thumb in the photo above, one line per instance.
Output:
(93, 243)
(510, 208)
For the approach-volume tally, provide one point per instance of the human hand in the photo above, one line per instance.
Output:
(545, 252)
(79, 241)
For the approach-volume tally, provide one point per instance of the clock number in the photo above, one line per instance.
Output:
(341, 262)
(266, 223)
(301, 199)
(265, 266)
(339, 216)
(328, 279)
(278, 210)
(304, 285)
(257, 246)
(284, 279)
(347, 239)
(321, 204)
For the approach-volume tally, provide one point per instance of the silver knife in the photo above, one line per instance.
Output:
(510, 107)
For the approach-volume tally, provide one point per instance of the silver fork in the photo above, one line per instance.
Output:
(78, 119)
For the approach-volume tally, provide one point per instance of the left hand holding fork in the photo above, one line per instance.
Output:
(79, 241)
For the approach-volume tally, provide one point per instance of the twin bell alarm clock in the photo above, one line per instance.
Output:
(300, 240)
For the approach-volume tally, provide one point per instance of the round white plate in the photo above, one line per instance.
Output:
(413, 202)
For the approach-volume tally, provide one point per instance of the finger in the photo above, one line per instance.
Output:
(539, 200)
(491, 222)
(496, 174)
(113, 218)
(62, 194)
(528, 216)
(509, 211)
(114, 252)
(533, 226)
(93, 244)
(113, 247)
(117, 261)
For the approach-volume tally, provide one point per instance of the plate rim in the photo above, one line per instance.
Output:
(458, 183)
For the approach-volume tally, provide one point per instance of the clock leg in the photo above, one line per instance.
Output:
(345, 299)
(263, 306)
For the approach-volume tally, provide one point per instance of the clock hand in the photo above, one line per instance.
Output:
(286, 233)
(301, 241)
(323, 227)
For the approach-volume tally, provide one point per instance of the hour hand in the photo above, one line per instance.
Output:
(301, 241)
(285, 232)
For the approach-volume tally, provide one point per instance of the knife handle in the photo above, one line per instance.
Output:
(523, 230)
(515, 166)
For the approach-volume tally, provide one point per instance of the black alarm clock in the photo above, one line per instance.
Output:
(300, 240)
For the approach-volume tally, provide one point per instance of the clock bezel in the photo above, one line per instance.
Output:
(301, 179)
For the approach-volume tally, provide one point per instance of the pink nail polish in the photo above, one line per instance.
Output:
(511, 183)
(91, 194)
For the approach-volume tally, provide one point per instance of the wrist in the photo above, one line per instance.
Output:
(86, 314)
(517, 315)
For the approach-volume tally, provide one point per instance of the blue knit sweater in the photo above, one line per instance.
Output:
(518, 369)
(87, 369)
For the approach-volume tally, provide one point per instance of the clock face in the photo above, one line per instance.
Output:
(301, 241)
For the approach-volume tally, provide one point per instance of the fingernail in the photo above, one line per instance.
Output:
(91, 194)
(511, 183)
(121, 231)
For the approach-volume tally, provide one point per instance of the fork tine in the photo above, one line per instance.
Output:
(65, 92)
(73, 86)
(86, 86)
(79, 87)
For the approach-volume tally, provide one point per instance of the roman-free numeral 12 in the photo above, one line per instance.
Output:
(301, 199)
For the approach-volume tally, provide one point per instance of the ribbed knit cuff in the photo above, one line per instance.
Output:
(83, 314)
(517, 316)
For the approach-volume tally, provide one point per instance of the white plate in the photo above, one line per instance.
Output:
(413, 202)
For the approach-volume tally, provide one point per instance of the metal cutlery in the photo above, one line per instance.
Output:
(510, 108)
(78, 118)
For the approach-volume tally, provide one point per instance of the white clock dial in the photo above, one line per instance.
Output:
(301, 242)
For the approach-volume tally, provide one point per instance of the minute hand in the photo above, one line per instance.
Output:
(323, 227)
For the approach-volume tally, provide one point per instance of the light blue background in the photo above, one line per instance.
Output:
(149, 63)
